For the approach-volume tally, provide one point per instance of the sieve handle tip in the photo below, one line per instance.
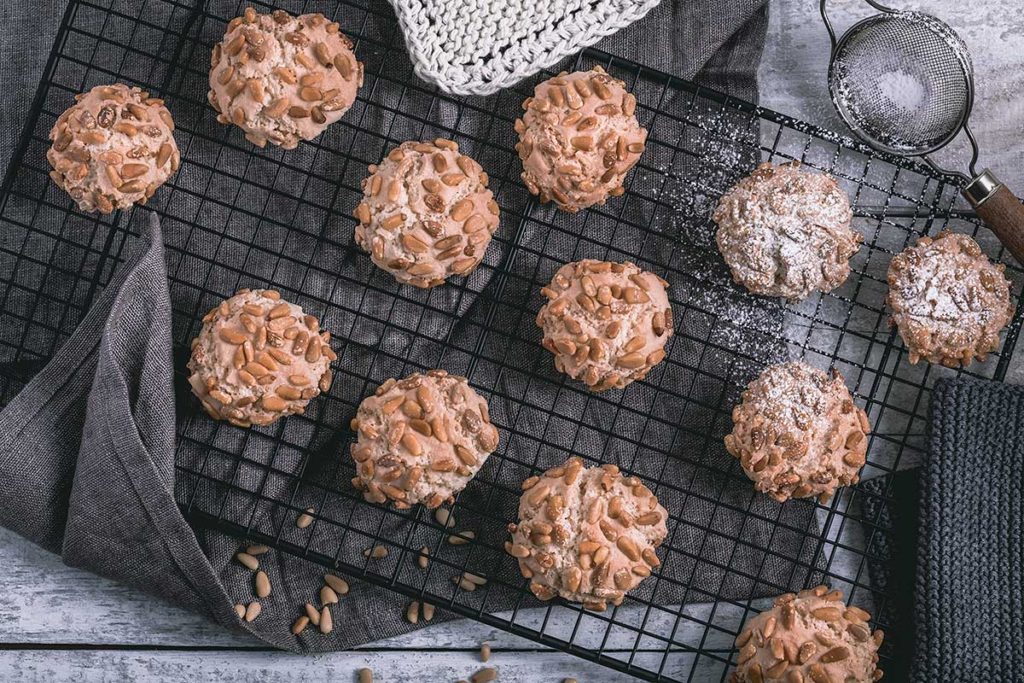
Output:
(1000, 209)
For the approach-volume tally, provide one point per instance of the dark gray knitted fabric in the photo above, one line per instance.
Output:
(969, 604)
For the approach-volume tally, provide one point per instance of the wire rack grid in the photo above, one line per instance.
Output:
(236, 216)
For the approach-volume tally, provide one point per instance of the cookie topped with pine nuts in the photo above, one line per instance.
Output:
(578, 138)
(113, 148)
(811, 637)
(797, 432)
(606, 323)
(259, 358)
(588, 535)
(949, 302)
(785, 232)
(421, 440)
(282, 79)
(426, 213)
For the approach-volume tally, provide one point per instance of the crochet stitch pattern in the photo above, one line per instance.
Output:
(477, 47)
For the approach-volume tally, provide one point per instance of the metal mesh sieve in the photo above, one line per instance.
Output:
(903, 81)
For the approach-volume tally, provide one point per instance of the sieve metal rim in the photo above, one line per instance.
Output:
(933, 23)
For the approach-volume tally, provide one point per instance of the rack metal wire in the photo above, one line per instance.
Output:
(237, 216)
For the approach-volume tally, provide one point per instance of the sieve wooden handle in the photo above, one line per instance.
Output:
(1000, 209)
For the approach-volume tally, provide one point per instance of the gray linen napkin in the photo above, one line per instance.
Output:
(131, 326)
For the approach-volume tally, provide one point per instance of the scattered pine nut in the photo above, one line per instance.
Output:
(253, 611)
(339, 584)
(412, 612)
(461, 537)
(240, 610)
(423, 559)
(376, 552)
(444, 517)
(247, 561)
(328, 596)
(365, 676)
(305, 519)
(485, 652)
(326, 623)
(262, 584)
(313, 614)
(474, 578)
(569, 680)
(484, 675)
(464, 583)
(428, 612)
(255, 550)
(300, 625)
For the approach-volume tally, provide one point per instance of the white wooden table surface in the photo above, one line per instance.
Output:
(61, 624)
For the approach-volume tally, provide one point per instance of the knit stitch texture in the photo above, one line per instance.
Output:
(969, 610)
(477, 47)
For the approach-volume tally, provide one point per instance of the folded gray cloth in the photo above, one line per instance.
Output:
(88, 457)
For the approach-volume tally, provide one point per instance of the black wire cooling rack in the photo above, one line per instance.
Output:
(236, 216)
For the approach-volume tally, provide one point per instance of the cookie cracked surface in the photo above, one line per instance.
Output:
(426, 213)
(578, 138)
(282, 79)
(113, 148)
(810, 637)
(797, 432)
(421, 439)
(606, 323)
(586, 534)
(948, 301)
(259, 358)
(785, 232)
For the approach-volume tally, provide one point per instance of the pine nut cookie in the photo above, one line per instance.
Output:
(259, 358)
(579, 138)
(785, 232)
(586, 534)
(426, 213)
(421, 440)
(797, 432)
(949, 301)
(811, 637)
(282, 79)
(606, 323)
(113, 148)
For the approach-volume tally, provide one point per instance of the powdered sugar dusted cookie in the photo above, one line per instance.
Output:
(811, 637)
(259, 358)
(113, 148)
(786, 232)
(606, 323)
(579, 138)
(421, 439)
(798, 433)
(426, 213)
(586, 534)
(281, 78)
(949, 301)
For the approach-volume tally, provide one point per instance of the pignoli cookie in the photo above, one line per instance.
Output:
(113, 148)
(785, 232)
(586, 534)
(578, 138)
(606, 323)
(811, 637)
(426, 213)
(797, 432)
(282, 79)
(259, 358)
(949, 302)
(421, 439)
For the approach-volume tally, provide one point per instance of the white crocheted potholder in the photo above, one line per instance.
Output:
(476, 47)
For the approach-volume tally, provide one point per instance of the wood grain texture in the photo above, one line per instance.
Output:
(1004, 215)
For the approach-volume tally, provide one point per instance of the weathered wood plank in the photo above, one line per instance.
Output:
(101, 666)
